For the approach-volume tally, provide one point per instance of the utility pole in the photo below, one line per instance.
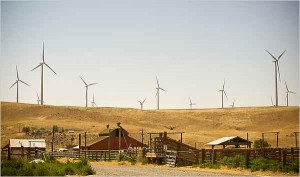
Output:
(85, 145)
(142, 135)
(52, 145)
(79, 144)
(109, 142)
(296, 137)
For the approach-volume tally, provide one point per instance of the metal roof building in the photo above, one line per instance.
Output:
(230, 140)
(17, 143)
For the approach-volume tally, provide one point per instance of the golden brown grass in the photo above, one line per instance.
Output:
(200, 125)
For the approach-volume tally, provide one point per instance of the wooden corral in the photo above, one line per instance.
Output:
(163, 149)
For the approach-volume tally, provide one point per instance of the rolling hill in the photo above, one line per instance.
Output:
(200, 125)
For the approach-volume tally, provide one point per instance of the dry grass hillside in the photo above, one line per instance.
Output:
(200, 126)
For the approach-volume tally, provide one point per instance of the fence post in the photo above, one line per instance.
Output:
(22, 150)
(202, 155)
(247, 158)
(35, 152)
(105, 156)
(292, 153)
(213, 156)
(283, 158)
(8, 153)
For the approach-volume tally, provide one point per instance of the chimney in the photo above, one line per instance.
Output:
(107, 126)
(165, 134)
(118, 124)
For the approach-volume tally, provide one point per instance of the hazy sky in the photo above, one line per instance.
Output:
(190, 45)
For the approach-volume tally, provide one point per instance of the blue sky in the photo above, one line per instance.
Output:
(190, 45)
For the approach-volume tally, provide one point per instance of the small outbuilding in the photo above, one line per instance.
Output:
(22, 146)
(235, 141)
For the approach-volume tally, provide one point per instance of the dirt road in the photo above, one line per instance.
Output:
(112, 170)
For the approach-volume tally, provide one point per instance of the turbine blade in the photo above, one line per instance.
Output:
(190, 100)
(50, 68)
(24, 82)
(139, 101)
(272, 101)
(272, 56)
(287, 89)
(43, 53)
(13, 85)
(281, 55)
(17, 72)
(292, 92)
(83, 80)
(37, 66)
(144, 101)
(278, 71)
(225, 95)
(92, 84)
(157, 82)
(162, 89)
(95, 103)
(224, 84)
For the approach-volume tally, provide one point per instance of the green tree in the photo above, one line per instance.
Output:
(26, 130)
(257, 143)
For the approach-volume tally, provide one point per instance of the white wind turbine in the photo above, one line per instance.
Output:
(17, 82)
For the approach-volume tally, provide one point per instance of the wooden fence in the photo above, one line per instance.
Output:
(283, 155)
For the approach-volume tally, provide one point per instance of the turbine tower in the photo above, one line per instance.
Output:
(287, 94)
(86, 90)
(42, 74)
(17, 82)
(232, 105)
(276, 64)
(142, 103)
(157, 92)
(191, 103)
(93, 102)
(223, 92)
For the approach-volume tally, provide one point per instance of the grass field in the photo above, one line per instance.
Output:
(200, 125)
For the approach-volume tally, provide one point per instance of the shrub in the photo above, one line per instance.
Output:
(291, 166)
(22, 167)
(144, 161)
(234, 161)
(264, 164)
(26, 130)
(257, 143)
(210, 165)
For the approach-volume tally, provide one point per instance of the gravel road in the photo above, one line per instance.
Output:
(111, 170)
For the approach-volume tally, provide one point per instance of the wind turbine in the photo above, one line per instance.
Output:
(223, 92)
(276, 64)
(86, 90)
(232, 105)
(191, 104)
(93, 102)
(157, 92)
(17, 82)
(142, 103)
(287, 94)
(42, 74)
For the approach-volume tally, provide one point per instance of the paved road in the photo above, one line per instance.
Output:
(110, 170)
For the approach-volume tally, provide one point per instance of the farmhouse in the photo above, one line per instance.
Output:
(234, 141)
(116, 138)
(167, 150)
(21, 146)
